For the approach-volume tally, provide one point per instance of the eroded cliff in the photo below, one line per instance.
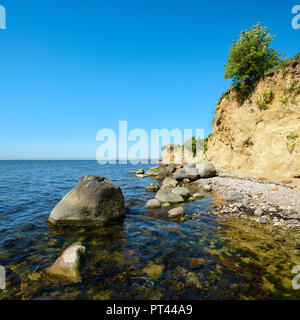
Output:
(261, 135)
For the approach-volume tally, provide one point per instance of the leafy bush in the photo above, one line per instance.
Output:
(285, 63)
(249, 58)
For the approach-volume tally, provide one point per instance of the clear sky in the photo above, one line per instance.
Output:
(71, 68)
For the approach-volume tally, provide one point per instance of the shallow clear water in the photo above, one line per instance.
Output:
(117, 255)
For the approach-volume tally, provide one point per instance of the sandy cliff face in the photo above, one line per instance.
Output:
(262, 142)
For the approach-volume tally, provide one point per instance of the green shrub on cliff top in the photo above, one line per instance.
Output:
(249, 58)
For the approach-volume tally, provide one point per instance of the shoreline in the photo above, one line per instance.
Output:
(248, 197)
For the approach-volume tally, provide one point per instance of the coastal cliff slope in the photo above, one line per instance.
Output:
(262, 134)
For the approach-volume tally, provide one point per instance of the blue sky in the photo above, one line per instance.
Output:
(71, 68)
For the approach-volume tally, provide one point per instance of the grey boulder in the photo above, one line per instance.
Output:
(206, 170)
(166, 195)
(235, 197)
(69, 264)
(169, 182)
(94, 200)
(182, 191)
(189, 171)
(176, 212)
(152, 204)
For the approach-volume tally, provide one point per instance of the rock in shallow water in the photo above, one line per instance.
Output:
(93, 201)
(176, 212)
(152, 187)
(182, 191)
(69, 264)
(152, 204)
(166, 195)
(169, 182)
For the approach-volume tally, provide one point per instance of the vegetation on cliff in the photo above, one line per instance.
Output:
(249, 58)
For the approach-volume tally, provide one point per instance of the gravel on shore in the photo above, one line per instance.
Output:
(261, 201)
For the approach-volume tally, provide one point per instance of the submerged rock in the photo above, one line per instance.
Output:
(94, 200)
(69, 264)
(176, 212)
(152, 187)
(152, 204)
(166, 195)
(153, 271)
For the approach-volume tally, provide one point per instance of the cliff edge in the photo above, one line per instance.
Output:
(260, 136)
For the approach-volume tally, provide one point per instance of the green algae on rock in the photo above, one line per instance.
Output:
(69, 264)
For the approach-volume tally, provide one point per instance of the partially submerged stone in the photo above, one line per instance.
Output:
(152, 187)
(152, 204)
(166, 195)
(182, 191)
(69, 264)
(176, 212)
(94, 200)
(165, 204)
(169, 182)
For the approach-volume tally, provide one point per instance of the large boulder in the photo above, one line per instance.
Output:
(182, 191)
(166, 195)
(206, 170)
(94, 200)
(189, 171)
(69, 264)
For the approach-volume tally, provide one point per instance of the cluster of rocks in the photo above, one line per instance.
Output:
(173, 189)
(244, 206)
(265, 214)
(265, 203)
(186, 173)
(170, 193)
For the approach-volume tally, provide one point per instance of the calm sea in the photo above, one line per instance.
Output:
(146, 256)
